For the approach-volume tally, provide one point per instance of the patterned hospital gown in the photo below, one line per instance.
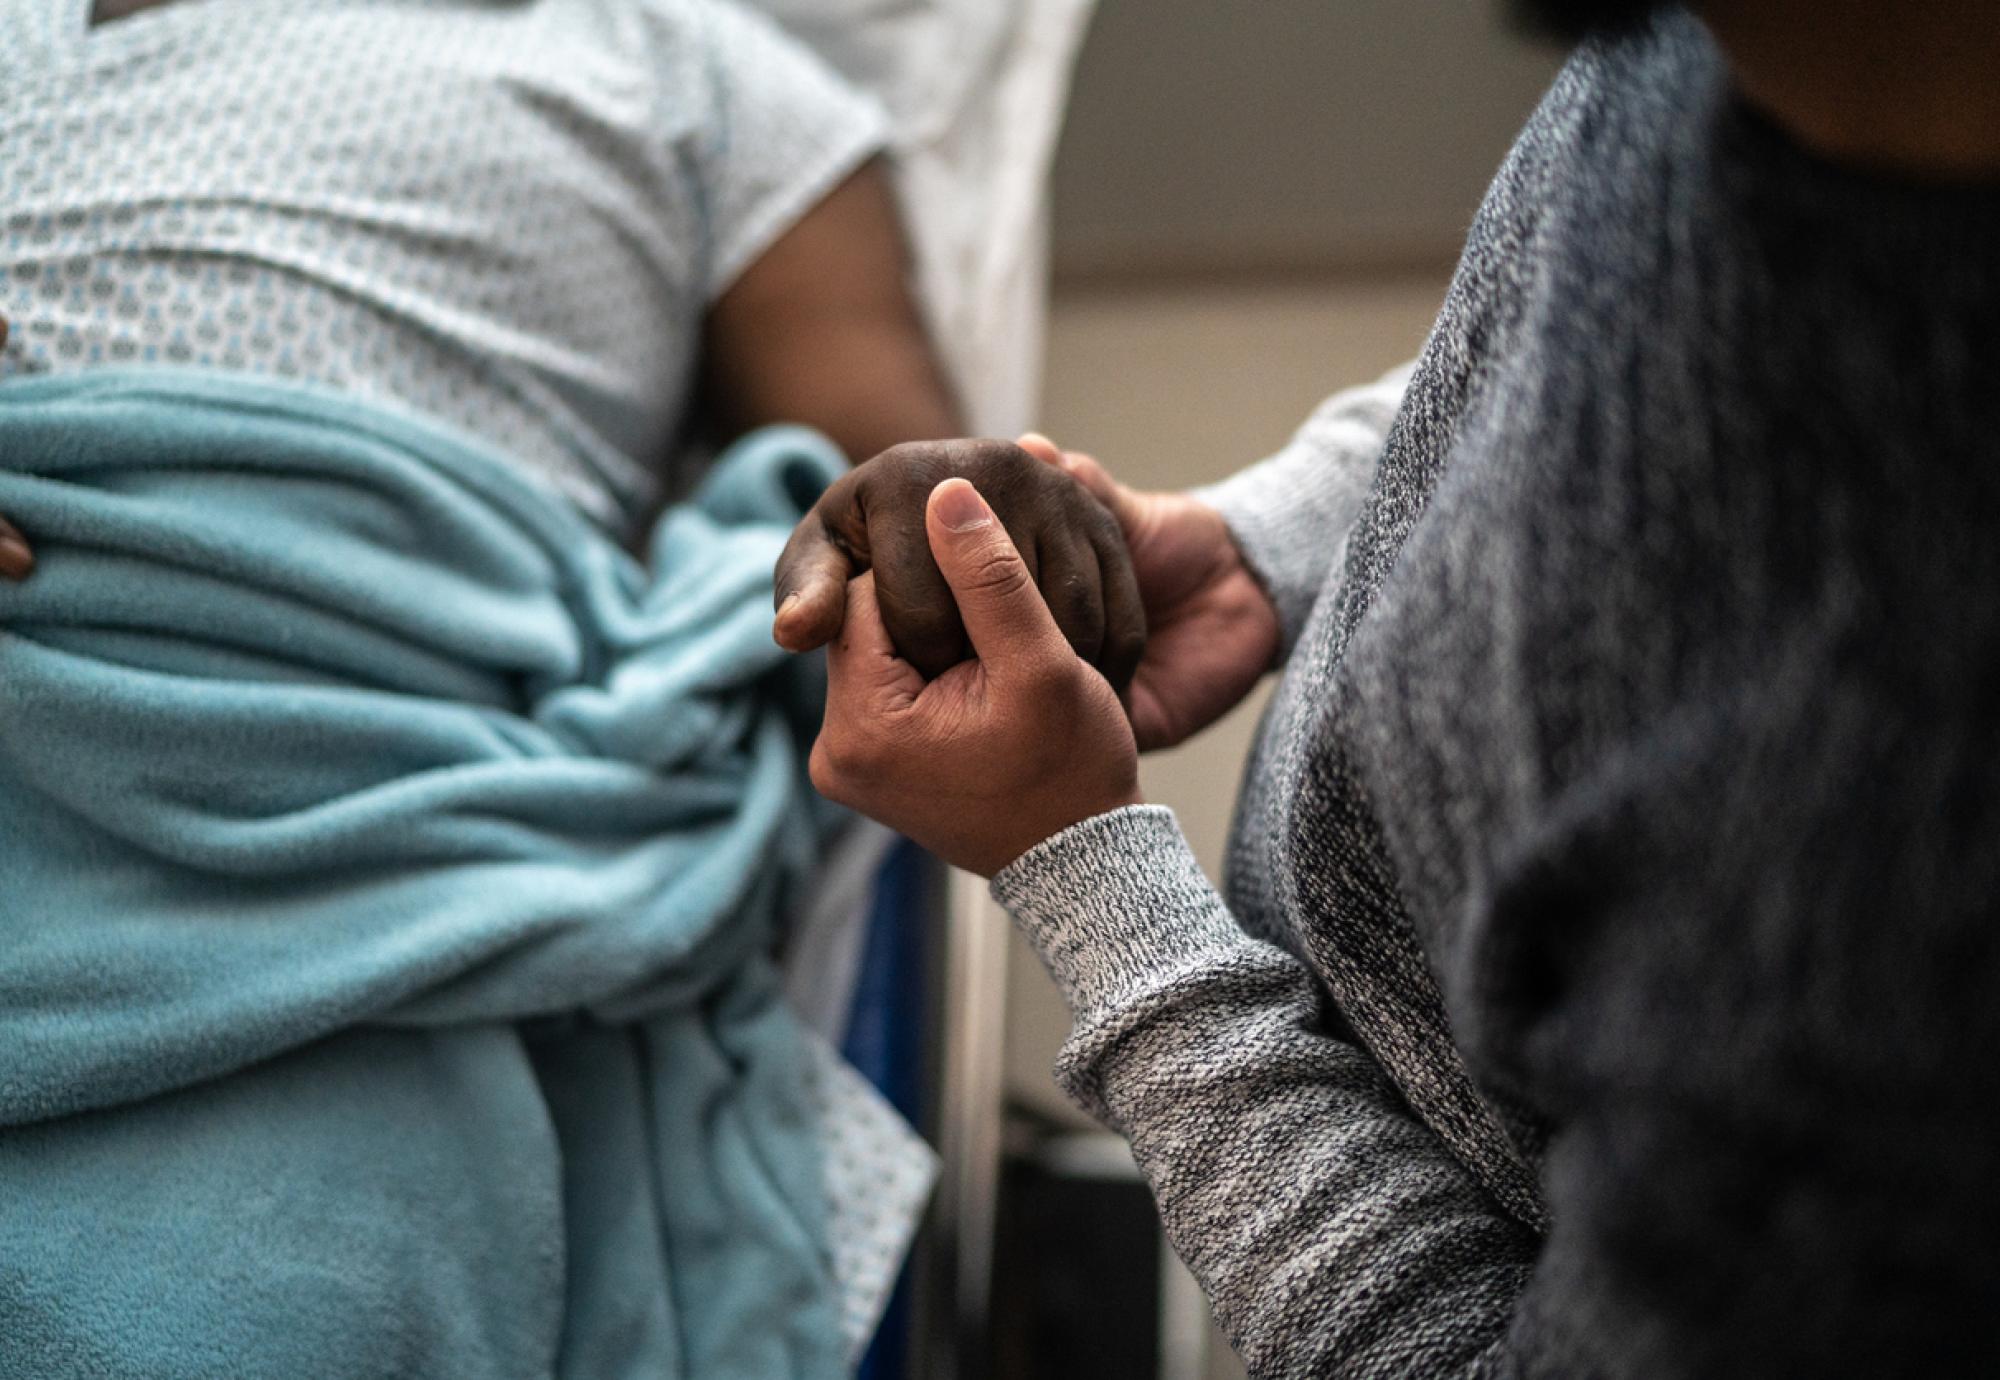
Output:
(508, 215)
(511, 216)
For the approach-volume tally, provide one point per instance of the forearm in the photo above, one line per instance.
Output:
(1332, 1231)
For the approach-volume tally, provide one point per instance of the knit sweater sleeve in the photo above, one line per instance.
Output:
(1770, 1108)
(1331, 1230)
(1290, 514)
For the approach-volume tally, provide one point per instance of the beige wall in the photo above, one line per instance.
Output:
(1237, 135)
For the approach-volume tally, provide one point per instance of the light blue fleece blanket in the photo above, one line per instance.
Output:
(388, 866)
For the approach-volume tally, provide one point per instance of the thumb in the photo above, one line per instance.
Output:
(809, 586)
(1003, 612)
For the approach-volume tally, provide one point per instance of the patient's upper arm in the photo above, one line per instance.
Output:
(822, 328)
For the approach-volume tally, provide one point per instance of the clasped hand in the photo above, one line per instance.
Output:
(1100, 621)
(979, 760)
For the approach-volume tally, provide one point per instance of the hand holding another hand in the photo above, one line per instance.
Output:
(981, 760)
(873, 518)
(984, 761)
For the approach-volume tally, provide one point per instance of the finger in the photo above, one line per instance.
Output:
(17, 562)
(1005, 618)
(1122, 614)
(1073, 589)
(866, 687)
(1042, 448)
(1124, 609)
(916, 604)
(862, 661)
(810, 587)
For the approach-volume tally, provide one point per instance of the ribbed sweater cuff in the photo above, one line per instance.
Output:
(1115, 903)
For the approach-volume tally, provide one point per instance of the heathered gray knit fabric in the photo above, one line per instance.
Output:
(1609, 982)
(1300, 505)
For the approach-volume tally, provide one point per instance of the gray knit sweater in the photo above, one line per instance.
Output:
(1609, 981)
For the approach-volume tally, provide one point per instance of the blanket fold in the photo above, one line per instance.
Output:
(388, 866)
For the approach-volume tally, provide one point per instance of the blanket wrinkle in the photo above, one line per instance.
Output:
(389, 868)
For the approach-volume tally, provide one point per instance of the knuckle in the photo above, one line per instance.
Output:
(1125, 646)
(904, 591)
(1050, 678)
(827, 509)
(807, 535)
(921, 627)
(1064, 502)
(1010, 478)
(997, 572)
(1102, 525)
(840, 760)
(1077, 608)
(820, 769)
(993, 456)
(911, 464)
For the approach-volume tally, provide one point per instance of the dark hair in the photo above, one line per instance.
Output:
(1571, 20)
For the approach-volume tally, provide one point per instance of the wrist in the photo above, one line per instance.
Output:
(1235, 561)
(1279, 547)
(1060, 823)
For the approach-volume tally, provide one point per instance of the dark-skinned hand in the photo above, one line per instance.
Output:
(872, 518)
(17, 562)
